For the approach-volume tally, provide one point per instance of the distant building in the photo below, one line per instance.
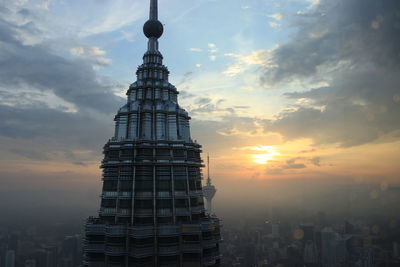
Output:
(51, 256)
(30, 263)
(275, 230)
(209, 190)
(308, 232)
(396, 252)
(70, 250)
(310, 252)
(10, 258)
(341, 249)
(367, 258)
(328, 247)
(152, 207)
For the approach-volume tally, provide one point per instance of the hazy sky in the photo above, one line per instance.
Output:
(278, 90)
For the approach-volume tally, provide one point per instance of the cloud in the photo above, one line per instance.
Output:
(214, 108)
(203, 101)
(90, 51)
(276, 16)
(241, 126)
(93, 54)
(127, 35)
(274, 24)
(185, 95)
(45, 4)
(212, 48)
(353, 47)
(123, 14)
(292, 164)
(53, 104)
(40, 133)
(194, 49)
(295, 166)
(316, 161)
(39, 67)
(244, 62)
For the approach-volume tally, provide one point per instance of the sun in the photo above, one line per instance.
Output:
(266, 153)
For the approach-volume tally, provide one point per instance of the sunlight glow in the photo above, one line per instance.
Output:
(268, 154)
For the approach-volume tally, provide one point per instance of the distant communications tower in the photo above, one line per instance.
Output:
(209, 189)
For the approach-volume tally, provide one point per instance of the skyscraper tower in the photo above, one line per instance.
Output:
(152, 210)
(209, 189)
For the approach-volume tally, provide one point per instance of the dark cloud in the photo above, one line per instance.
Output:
(205, 105)
(185, 94)
(60, 127)
(29, 153)
(316, 161)
(203, 100)
(186, 78)
(41, 133)
(37, 66)
(78, 116)
(292, 164)
(361, 31)
(241, 107)
(231, 131)
(354, 46)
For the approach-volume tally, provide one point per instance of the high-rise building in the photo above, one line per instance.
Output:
(275, 230)
(328, 247)
(209, 189)
(30, 263)
(10, 258)
(71, 250)
(310, 252)
(51, 252)
(152, 209)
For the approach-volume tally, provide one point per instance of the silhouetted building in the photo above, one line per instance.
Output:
(328, 247)
(30, 263)
(310, 252)
(70, 250)
(152, 209)
(275, 230)
(396, 252)
(51, 256)
(10, 258)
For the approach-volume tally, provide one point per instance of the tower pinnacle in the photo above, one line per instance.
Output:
(208, 170)
(153, 10)
(153, 27)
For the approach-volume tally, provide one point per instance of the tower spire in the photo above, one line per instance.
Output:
(153, 28)
(208, 170)
(153, 10)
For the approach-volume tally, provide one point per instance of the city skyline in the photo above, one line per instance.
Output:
(285, 95)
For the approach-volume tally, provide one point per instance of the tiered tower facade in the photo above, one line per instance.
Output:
(152, 209)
